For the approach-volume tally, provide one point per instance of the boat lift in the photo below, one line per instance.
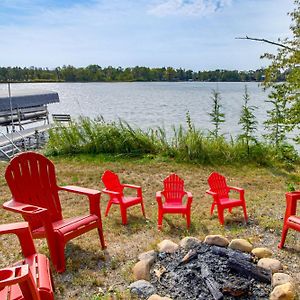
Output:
(18, 113)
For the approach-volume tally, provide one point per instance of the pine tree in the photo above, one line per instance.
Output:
(248, 122)
(217, 117)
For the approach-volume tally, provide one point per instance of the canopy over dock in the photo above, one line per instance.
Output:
(25, 106)
(24, 99)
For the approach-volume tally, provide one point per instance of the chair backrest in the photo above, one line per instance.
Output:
(173, 188)
(218, 184)
(31, 179)
(111, 182)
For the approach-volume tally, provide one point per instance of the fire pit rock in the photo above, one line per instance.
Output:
(217, 240)
(189, 242)
(167, 246)
(241, 245)
(281, 278)
(142, 288)
(262, 252)
(270, 263)
(283, 292)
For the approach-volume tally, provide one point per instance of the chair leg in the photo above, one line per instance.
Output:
(160, 219)
(188, 219)
(230, 209)
(100, 232)
(108, 208)
(61, 264)
(245, 212)
(143, 209)
(221, 215)
(212, 209)
(123, 214)
(283, 237)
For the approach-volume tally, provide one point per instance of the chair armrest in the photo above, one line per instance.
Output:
(13, 227)
(13, 275)
(131, 186)
(79, 190)
(209, 192)
(112, 193)
(136, 187)
(24, 209)
(237, 189)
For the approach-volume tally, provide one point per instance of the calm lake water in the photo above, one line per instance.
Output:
(153, 104)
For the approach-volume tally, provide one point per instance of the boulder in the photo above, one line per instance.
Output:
(157, 297)
(283, 292)
(217, 239)
(241, 244)
(189, 242)
(281, 278)
(270, 264)
(142, 288)
(141, 270)
(262, 252)
(167, 246)
(149, 255)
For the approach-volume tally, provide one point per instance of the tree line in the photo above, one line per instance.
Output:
(96, 73)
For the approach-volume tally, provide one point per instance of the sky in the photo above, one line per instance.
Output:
(189, 34)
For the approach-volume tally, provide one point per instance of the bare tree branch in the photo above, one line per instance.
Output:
(266, 41)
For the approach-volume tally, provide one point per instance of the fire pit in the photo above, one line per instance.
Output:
(212, 270)
(209, 272)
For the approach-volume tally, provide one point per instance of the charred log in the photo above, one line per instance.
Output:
(249, 269)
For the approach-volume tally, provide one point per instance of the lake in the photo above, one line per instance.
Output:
(151, 104)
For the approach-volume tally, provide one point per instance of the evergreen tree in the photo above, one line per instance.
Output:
(217, 117)
(248, 122)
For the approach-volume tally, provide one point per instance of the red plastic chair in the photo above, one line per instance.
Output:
(32, 182)
(173, 194)
(115, 190)
(219, 190)
(290, 219)
(29, 279)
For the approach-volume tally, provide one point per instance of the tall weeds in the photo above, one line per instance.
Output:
(190, 145)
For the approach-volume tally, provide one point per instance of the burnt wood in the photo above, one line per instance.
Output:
(229, 253)
(210, 282)
(249, 269)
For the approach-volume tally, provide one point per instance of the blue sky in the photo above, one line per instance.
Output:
(192, 34)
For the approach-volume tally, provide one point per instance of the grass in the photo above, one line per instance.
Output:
(95, 274)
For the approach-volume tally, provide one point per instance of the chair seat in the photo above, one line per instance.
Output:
(39, 268)
(229, 202)
(67, 225)
(174, 207)
(128, 200)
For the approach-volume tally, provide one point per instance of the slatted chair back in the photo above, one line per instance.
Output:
(217, 184)
(111, 182)
(173, 189)
(31, 179)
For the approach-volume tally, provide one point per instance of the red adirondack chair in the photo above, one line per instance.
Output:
(32, 182)
(219, 190)
(290, 218)
(115, 190)
(29, 279)
(173, 194)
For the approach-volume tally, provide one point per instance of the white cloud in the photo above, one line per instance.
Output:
(188, 7)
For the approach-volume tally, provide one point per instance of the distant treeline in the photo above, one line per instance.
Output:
(108, 74)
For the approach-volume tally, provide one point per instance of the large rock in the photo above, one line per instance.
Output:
(281, 278)
(167, 246)
(217, 239)
(240, 244)
(189, 242)
(149, 255)
(157, 297)
(262, 252)
(141, 270)
(270, 264)
(142, 288)
(283, 292)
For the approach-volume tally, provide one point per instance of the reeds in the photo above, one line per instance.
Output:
(189, 145)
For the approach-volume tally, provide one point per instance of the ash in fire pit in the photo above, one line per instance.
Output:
(209, 272)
